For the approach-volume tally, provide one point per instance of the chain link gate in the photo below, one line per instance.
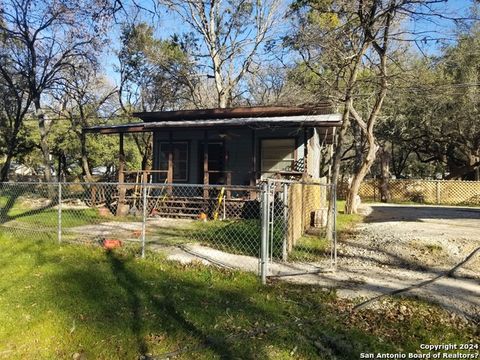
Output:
(298, 237)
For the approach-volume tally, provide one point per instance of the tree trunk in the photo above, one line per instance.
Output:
(11, 145)
(6, 166)
(357, 139)
(335, 170)
(43, 140)
(85, 166)
(385, 158)
(351, 204)
(147, 157)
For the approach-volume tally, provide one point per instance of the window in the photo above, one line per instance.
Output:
(277, 155)
(179, 160)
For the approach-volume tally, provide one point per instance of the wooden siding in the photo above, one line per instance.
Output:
(238, 143)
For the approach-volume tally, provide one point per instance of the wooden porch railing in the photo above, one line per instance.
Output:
(144, 176)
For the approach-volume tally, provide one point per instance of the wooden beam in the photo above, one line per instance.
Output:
(227, 175)
(170, 158)
(170, 162)
(206, 175)
(321, 108)
(253, 176)
(305, 150)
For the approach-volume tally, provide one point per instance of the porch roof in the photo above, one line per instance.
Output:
(222, 118)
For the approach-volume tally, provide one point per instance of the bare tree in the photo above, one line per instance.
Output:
(349, 46)
(50, 36)
(231, 34)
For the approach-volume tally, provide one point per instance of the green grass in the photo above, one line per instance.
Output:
(243, 237)
(310, 248)
(235, 236)
(345, 222)
(56, 301)
(24, 210)
(49, 217)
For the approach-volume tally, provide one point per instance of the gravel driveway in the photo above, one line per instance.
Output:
(400, 245)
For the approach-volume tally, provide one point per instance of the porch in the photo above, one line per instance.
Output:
(224, 148)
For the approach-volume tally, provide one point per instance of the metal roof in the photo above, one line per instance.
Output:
(307, 120)
(321, 108)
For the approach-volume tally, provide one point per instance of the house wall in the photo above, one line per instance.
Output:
(239, 143)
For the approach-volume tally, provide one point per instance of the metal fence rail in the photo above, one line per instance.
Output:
(439, 192)
(261, 228)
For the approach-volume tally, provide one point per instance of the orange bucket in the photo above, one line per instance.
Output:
(110, 244)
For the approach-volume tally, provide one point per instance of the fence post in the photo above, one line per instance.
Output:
(59, 212)
(144, 218)
(271, 218)
(264, 230)
(438, 191)
(285, 222)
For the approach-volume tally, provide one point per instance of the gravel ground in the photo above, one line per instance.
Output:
(400, 245)
(426, 238)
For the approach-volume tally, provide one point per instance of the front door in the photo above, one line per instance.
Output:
(216, 162)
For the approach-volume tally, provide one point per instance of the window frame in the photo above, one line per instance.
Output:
(187, 160)
(295, 152)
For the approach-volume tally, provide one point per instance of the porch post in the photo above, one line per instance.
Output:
(305, 151)
(227, 174)
(121, 177)
(206, 177)
(253, 174)
(170, 162)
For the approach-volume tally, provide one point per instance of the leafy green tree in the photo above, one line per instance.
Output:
(432, 120)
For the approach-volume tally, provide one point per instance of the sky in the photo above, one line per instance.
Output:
(435, 32)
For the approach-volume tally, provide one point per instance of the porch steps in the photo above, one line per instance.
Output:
(176, 215)
(192, 207)
(182, 207)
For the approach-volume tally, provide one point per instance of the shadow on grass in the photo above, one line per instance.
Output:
(139, 308)
(12, 197)
(124, 308)
(137, 294)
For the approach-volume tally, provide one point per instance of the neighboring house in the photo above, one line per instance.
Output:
(236, 146)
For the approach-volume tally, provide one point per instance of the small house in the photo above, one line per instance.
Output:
(236, 146)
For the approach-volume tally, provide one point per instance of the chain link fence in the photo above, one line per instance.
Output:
(271, 229)
(440, 192)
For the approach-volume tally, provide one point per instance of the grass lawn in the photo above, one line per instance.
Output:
(60, 301)
(24, 210)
